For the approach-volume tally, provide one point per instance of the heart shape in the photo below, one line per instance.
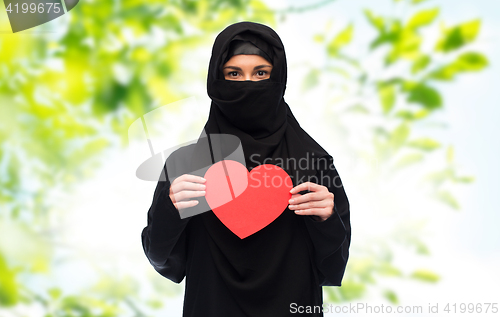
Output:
(247, 202)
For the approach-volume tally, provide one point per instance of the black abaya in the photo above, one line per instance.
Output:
(288, 261)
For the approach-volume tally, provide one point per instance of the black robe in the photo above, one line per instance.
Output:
(311, 254)
(281, 266)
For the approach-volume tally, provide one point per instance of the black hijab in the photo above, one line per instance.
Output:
(240, 47)
(263, 270)
(256, 111)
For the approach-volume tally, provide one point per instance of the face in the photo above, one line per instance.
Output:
(247, 67)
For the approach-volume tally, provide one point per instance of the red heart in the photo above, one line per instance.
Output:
(247, 202)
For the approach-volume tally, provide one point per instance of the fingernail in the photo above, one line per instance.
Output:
(291, 201)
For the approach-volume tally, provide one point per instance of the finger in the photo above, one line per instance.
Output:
(295, 196)
(307, 212)
(321, 213)
(187, 186)
(314, 196)
(306, 186)
(190, 178)
(188, 194)
(311, 204)
(186, 204)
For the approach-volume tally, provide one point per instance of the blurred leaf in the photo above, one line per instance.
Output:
(472, 61)
(425, 95)
(420, 64)
(358, 108)
(376, 21)
(341, 40)
(319, 38)
(399, 135)
(447, 198)
(332, 294)
(412, 115)
(440, 176)
(422, 18)
(109, 97)
(406, 45)
(388, 269)
(466, 62)
(351, 290)
(363, 270)
(350, 60)
(362, 79)
(55, 293)
(311, 79)
(85, 306)
(160, 287)
(387, 95)
(422, 248)
(393, 35)
(450, 153)
(426, 144)
(457, 36)
(395, 80)
(417, 1)
(391, 296)
(112, 287)
(409, 159)
(31, 250)
(339, 70)
(465, 179)
(381, 131)
(156, 304)
(425, 276)
(9, 290)
(259, 10)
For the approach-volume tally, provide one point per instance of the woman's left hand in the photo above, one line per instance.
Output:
(317, 203)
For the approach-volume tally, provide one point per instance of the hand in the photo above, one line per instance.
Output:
(185, 187)
(318, 203)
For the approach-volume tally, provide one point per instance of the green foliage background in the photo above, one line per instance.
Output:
(65, 99)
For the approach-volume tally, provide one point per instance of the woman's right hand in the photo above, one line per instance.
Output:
(185, 187)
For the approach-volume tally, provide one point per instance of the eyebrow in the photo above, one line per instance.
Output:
(238, 68)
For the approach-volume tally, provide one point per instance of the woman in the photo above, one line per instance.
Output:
(280, 269)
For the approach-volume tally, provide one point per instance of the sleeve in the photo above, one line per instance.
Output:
(331, 238)
(164, 237)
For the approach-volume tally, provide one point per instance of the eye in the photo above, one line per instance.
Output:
(232, 74)
(261, 73)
